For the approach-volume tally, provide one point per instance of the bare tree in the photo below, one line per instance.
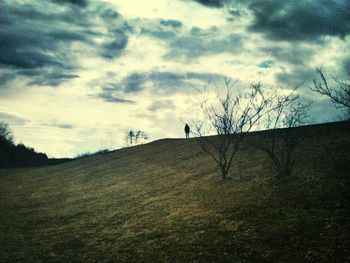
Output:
(129, 138)
(135, 137)
(339, 95)
(5, 132)
(231, 117)
(140, 137)
(278, 141)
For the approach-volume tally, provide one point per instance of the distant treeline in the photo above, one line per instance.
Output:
(19, 155)
(12, 155)
(88, 154)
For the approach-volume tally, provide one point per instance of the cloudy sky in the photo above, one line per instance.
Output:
(76, 74)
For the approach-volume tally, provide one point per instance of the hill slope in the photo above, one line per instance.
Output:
(166, 202)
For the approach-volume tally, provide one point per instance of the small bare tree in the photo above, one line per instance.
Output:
(231, 117)
(129, 138)
(5, 132)
(339, 95)
(140, 137)
(280, 142)
(135, 137)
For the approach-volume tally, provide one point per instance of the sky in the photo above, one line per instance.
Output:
(75, 75)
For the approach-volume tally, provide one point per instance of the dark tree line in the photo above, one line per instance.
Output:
(12, 155)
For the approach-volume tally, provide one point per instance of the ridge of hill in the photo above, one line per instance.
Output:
(165, 202)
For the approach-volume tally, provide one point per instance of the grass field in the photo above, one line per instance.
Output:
(166, 202)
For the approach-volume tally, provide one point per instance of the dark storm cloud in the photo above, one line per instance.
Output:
(35, 43)
(159, 82)
(52, 79)
(5, 78)
(115, 46)
(203, 43)
(55, 123)
(171, 82)
(109, 97)
(265, 64)
(205, 77)
(12, 119)
(82, 3)
(234, 12)
(133, 83)
(346, 65)
(162, 82)
(65, 126)
(171, 23)
(161, 34)
(33, 40)
(293, 54)
(290, 19)
(161, 105)
(162, 29)
(297, 76)
(65, 36)
(116, 39)
(301, 20)
(13, 56)
(189, 43)
(212, 3)
(167, 80)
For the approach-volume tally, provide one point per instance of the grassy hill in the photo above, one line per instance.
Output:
(166, 202)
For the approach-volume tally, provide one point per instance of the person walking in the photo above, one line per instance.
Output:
(187, 131)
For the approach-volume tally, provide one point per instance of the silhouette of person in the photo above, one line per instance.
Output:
(187, 131)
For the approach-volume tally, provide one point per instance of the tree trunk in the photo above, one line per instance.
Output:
(284, 172)
(224, 173)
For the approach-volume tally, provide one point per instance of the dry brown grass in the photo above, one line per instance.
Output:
(166, 202)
